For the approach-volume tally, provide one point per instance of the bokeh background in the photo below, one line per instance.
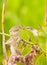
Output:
(26, 12)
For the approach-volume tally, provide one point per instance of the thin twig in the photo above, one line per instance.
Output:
(3, 36)
(27, 42)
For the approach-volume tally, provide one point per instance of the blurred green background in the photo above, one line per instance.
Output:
(26, 12)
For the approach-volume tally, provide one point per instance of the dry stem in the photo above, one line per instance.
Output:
(3, 36)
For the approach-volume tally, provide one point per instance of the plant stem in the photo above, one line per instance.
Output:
(3, 36)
